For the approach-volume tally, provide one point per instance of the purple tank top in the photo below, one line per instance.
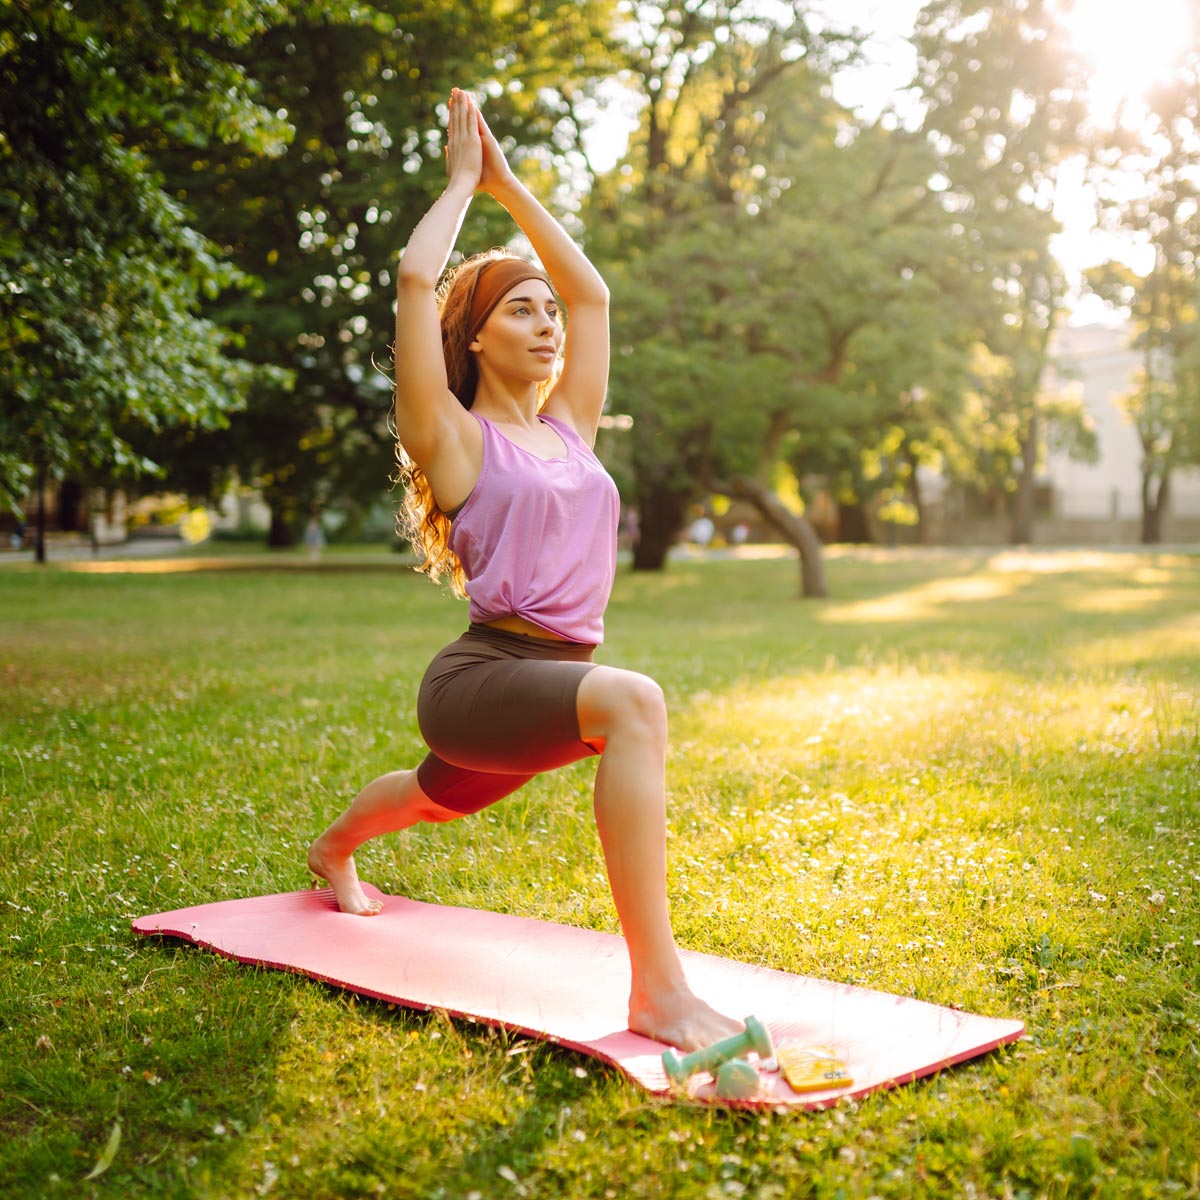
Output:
(538, 538)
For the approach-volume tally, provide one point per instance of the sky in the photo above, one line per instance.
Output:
(1128, 45)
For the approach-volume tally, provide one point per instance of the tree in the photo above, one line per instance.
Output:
(706, 75)
(321, 224)
(884, 298)
(861, 315)
(101, 274)
(1162, 151)
(753, 321)
(870, 257)
(1000, 88)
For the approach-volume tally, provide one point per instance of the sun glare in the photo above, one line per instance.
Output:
(1130, 46)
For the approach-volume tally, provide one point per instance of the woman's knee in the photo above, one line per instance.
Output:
(646, 704)
(613, 702)
(434, 814)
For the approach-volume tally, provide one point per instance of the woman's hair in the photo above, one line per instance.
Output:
(419, 519)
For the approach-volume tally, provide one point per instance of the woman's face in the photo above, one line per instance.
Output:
(523, 333)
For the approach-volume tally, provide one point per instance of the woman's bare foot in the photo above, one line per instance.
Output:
(343, 878)
(681, 1019)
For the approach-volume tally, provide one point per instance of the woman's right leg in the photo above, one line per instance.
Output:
(386, 805)
(401, 799)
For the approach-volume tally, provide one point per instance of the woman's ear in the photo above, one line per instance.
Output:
(475, 346)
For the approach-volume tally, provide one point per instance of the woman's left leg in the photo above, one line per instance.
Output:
(624, 712)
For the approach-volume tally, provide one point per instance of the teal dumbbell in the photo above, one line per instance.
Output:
(756, 1036)
(737, 1079)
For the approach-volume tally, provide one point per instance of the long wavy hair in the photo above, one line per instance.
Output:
(419, 520)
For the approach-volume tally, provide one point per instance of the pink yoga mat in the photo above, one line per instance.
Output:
(571, 986)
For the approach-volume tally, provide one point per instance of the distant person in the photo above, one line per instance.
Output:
(314, 537)
(702, 530)
(627, 533)
(506, 497)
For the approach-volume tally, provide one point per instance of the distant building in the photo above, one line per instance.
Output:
(1111, 489)
(1078, 503)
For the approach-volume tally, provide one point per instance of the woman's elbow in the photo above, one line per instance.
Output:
(411, 276)
(596, 295)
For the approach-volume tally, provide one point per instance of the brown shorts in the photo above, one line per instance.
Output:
(495, 709)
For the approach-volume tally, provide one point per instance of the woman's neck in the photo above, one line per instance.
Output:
(516, 407)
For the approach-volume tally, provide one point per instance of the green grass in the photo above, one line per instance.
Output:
(969, 778)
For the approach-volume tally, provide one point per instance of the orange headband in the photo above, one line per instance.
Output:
(494, 280)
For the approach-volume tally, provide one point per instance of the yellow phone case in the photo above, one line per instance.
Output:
(813, 1068)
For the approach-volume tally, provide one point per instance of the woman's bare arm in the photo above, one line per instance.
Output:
(579, 393)
(430, 422)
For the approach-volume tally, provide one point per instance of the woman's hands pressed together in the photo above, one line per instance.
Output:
(464, 146)
(473, 155)
(496, 174)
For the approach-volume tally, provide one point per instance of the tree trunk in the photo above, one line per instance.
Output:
(797, 531)
(282, 534)
(40, 529)
(70, 506)
(1154, 505)
(661, 512)
(1022, 525)
(853, 525)
(285, 507)
(918, 498)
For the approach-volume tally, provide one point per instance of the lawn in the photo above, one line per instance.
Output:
(968, 777)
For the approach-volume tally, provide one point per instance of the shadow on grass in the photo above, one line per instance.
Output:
(182, 1060)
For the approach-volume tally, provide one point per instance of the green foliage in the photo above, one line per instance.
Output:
(1163, 152)
(321, 224)
(263, 164)
(884, 298)
(1001, 91)
(101, 275)
(801, 283)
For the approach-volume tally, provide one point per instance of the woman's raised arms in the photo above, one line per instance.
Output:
(578, 395)
(433, 427)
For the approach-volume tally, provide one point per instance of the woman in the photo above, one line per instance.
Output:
(506, 496)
